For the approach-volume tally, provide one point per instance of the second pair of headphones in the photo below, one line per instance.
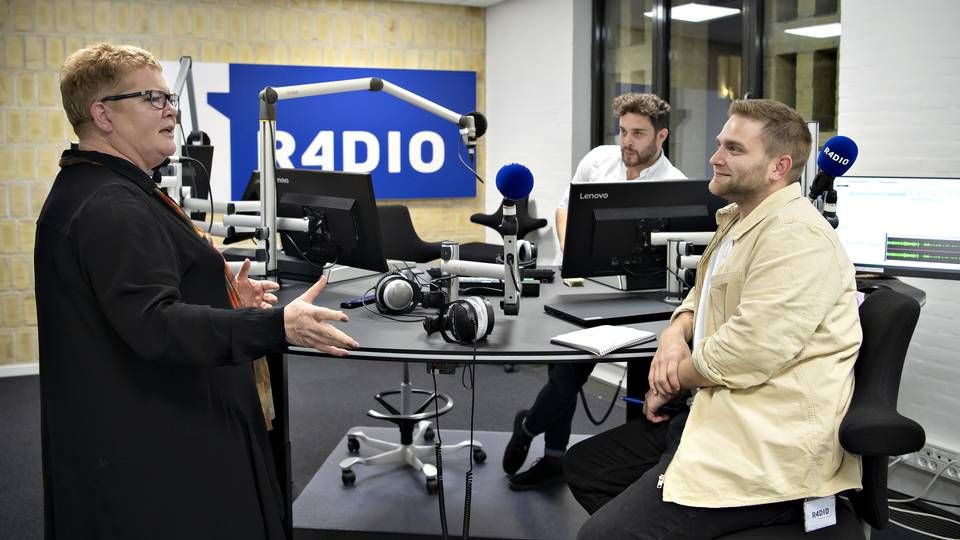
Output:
(399, 293)
(464, 321)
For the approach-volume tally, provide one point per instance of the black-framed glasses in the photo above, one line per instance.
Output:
(157, 98)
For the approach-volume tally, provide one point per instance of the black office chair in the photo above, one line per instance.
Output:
(872, 427)
(400, 239)
(492, 253)
(401, 242)
(525, 222)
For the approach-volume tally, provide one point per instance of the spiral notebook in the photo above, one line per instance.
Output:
(604, 339)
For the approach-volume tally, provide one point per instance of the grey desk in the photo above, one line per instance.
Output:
(514, 340)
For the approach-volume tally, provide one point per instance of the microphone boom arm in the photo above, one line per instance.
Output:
(267, 143)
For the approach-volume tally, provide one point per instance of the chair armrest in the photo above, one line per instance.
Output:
(878, 431)
(486, 219)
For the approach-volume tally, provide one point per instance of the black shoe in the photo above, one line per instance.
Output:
(518, 446)
(547, 470)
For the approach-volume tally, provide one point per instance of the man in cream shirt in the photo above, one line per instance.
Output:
(775, 330)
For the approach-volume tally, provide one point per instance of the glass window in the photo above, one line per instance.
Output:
(628, 56)
(705, 76)
(801, 53)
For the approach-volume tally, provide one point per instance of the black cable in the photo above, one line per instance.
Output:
(513, 277)
(464, 163)
(684, 288)
(438, 449)
(467, 290)
(613, 401)
(468, 478)
(319, 266)
(193, 179)
(416, 319)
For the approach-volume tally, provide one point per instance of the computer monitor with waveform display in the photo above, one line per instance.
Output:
(901, 226)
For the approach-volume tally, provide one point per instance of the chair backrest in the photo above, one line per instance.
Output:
(525, 222)
(400, 239)
(872, 426)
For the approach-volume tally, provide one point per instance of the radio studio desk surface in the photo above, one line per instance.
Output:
(513, 340)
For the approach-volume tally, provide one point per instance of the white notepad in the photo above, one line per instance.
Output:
(604, 339)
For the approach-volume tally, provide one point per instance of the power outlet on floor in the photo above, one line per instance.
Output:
(932, 459)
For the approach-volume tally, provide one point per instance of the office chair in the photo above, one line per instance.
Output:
(400, 239)
(415, 434)
(526, 223)
(401, 242)
(492, 253)
(872, 427)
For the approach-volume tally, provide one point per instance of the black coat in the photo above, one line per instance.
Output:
(151, 423)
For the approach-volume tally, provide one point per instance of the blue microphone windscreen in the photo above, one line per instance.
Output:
(837, 155)
(514, 181)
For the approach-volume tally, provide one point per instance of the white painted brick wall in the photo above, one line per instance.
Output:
(535, 102)
(899, 98)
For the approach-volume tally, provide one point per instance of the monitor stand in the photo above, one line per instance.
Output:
(633, 283)
(301, 270)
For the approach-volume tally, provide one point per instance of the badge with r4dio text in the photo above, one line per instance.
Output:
(819, 513)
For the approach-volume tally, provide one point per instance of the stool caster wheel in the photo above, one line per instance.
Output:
(429, 434)
(479, 456)
(353, 445)
(508, 368)
(348, 477)
(433, 486)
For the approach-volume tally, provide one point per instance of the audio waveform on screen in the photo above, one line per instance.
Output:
(933, 250)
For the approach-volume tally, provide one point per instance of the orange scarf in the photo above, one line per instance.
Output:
(260, 370)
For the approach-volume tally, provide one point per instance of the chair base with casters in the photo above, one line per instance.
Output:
(415, 435)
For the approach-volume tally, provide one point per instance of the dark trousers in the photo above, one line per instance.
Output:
(552, 412)
(615, 475)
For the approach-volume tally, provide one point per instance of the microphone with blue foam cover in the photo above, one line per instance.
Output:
(835, 159)
(514, 181)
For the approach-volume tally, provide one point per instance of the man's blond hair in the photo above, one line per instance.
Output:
(784, 130)
(91, 73)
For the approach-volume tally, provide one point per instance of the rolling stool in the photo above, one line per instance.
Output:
(415, 435)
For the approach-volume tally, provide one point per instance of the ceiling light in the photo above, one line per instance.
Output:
(694, 12)
(818, 31)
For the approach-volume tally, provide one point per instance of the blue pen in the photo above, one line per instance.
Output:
(638, 401)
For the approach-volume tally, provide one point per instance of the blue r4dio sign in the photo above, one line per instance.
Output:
(410, 152)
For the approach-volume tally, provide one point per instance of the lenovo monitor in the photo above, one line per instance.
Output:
(609, 226)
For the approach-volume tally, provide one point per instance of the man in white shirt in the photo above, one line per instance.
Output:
(644, 122)
(644, 126)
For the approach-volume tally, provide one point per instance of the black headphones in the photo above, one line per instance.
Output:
(399, 293)
(463, 321)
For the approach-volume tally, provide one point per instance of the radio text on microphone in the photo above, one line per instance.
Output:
(835, 156)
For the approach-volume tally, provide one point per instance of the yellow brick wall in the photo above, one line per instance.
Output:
(36, 36)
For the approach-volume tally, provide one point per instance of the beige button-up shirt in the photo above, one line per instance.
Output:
(782, 334)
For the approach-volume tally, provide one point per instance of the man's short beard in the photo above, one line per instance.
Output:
(646, 158)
